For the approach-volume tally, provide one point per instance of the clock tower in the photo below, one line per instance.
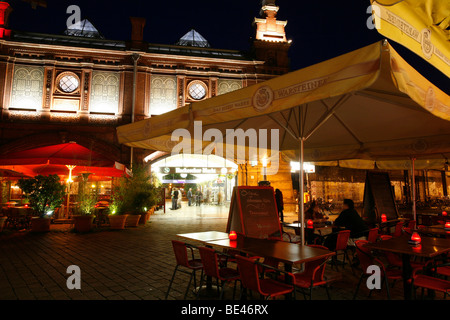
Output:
(271, 44)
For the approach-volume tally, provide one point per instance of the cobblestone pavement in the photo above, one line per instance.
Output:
(130, 264)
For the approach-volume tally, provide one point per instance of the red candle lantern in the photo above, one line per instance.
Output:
(447, 226)
(310, 224)
(444, 213)
(233, 235)
(383, 218)
(415, 239)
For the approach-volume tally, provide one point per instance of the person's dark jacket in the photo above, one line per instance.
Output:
(350, 220)
(175, 194)
(279, 200)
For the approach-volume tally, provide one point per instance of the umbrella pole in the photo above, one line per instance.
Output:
(301, 204)
(413, 188)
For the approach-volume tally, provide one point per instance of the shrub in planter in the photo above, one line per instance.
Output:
(2, 222)
(134, 195)
(84, 212)
(45, 194)
(117, 216)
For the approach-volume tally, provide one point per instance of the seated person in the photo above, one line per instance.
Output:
(314, 213)
(350, 220)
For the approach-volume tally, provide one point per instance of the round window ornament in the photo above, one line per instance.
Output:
(68, 82)
(197, 90)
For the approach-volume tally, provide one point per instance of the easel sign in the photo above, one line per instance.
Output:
(379, 198)
(253, 212)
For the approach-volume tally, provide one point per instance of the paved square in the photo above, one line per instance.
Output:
(130, 264)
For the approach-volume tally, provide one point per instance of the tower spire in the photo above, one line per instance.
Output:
(268, 28)
(271, 44)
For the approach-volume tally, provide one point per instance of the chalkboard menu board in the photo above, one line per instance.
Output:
(253, 212)
(379, 198)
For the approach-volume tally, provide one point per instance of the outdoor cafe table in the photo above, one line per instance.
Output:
(203, 238)
(437, 230)
(324, 229)
(285, 252)
(429, 248)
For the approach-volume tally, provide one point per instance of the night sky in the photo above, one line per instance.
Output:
(320, 29)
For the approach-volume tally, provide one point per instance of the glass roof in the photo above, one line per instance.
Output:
(193, 39)
(83, 28)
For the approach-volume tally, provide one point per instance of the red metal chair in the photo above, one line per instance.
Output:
(313, 275)
(211, 269)
(428, 282)
(398, 229)
(342, 248)
(367, 259)
(250, 279)
(394, 260)
(373, 235)
(411, 224)
(181, 256)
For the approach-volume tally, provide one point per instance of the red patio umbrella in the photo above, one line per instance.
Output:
(62, 154)
(55, 159)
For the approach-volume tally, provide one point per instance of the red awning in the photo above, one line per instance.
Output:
(54, 159)
(61, 154)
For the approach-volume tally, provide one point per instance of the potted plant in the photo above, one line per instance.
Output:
(2, 222)
(117, 216)
(86, 206)
(45, 194)
(144, 195)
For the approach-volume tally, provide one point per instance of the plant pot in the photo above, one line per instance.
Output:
(40, 225)
(117, 222)
(133, 220)
(143, 218)
(2, 222)
(83, 223)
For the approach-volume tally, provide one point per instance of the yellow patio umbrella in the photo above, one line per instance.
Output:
(421, 26)
(368, 104)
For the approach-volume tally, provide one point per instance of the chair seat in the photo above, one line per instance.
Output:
(274, 288)
(304, 281)
(394, 274)
(195, 264)
(431, 283)
(228, 274)
(445, 271)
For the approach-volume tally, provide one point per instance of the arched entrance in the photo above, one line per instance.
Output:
(212, 175)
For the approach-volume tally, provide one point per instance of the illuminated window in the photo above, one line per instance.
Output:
(197, 90)
(68, 82)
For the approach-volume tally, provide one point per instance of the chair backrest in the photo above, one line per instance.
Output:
(398, 229)
(373, 235)
(248, 271)
(209, 261)
(181, 255)
(411, 224)
(364, 255)
(319, 264)
(392, 258)
(384, 237)
(342, 239)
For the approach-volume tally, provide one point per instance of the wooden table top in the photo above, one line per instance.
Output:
(285, 252)
(298, 226)
(429, 248)
(204, 236)
(437, 230)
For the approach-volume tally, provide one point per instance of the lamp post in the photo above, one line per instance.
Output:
(264, 164)
(69, 183)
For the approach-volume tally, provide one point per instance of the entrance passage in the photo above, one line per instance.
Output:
(210, 178)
